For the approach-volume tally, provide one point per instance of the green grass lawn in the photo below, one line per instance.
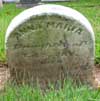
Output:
(68, 93)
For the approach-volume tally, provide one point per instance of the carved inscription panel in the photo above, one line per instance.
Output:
(50, 36)
(51, 41)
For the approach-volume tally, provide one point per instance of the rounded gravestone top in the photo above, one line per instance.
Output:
(49, 9)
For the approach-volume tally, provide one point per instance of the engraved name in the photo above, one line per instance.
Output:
(60, 25)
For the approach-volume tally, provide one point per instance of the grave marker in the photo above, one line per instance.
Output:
(27, 3)
(50, 43)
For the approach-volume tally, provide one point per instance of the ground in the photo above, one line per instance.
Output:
(96, 73)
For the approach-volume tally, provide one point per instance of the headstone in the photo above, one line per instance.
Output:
(56, 0)
(50, 43)
(1, 5)
(27, 3)
(9, 1)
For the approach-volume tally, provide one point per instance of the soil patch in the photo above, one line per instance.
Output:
(4, 74)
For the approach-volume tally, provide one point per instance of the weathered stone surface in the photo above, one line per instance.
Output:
(50, 43)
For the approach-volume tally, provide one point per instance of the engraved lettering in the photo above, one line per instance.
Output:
(79, 30)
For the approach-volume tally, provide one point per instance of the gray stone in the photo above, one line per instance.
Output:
(27, 3)
(50, 43)
(57, 0)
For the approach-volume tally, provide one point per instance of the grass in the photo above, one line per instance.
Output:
(68, 93)
(8, 12)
